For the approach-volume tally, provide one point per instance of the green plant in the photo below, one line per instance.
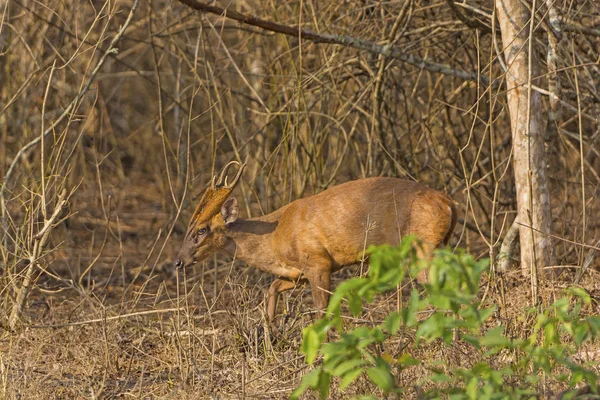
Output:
(451, 297)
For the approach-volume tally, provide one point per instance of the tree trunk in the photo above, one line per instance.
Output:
(525, 105)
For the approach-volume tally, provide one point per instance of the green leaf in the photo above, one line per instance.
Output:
(562, 307)
(580, 333)
(334, 349)
(355, 304)
(407, 360)
(471, 388)
(361, 332)
(581, 293)
(392, 322)
(410, 313)
(377, 334)
(323, 384)
(330, 362)
(440, 377)
(485, 313)
(344, 289)
(550, 335)
(311, 344)
(382, 377)
(433, 327)
(309, 380)
(594, 324)
(346, 366)
(406, 246)
(350, 377)
(322, 326)
(495, 338)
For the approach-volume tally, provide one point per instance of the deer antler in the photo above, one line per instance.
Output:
(214, 197)
(222, 182)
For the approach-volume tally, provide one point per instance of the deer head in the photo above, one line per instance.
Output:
(206, 232)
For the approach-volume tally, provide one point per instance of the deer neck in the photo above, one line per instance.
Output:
(249, 240)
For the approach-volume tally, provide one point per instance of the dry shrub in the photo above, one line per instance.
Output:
(185, 93)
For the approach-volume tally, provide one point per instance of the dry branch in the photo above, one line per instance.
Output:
(39, 242)
(343, 40)
(70, 107)
(40, 239)
(112, 257)
(468, 20)
(112, 318)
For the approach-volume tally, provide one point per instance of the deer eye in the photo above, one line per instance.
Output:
(201, 232)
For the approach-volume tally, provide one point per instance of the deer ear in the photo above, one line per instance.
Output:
(230, 210)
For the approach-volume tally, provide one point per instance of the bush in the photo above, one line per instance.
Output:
(456, 314)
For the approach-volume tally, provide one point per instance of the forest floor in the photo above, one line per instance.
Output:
(131, 327)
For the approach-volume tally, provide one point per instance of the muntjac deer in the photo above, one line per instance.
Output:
(312, 237)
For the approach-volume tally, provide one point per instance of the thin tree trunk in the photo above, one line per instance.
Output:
(527, 125)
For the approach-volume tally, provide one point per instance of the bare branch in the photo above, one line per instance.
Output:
(343, 40)
(71, 106)
(470, 21)
(39, 242)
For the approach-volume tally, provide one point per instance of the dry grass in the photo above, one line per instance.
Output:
(113, 341)
(185, 93)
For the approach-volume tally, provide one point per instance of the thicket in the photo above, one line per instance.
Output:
(115, 115)
(449, 309)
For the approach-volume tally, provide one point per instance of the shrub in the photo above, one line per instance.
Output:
(456, 314)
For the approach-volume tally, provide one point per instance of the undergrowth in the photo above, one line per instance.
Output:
(543, 355)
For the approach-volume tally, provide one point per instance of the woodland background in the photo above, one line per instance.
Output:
(114, 116)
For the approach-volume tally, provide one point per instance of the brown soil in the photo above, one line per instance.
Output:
(137, 329)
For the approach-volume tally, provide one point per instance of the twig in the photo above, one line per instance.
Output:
(39, 242)
(116, 317)
(343, 40)
(583, 245)
(468, 20)
(589, 259)
(71, 106)
(41, 238)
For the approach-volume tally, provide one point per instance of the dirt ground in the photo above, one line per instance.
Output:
(132, 327)
(129, 108)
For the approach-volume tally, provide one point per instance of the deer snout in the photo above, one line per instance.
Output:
(183, 260)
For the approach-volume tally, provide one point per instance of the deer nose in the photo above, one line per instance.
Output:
(178, 263)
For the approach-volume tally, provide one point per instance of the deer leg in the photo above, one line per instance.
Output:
(425, 252)
(440, 219)
(320, 284)
(278, 286)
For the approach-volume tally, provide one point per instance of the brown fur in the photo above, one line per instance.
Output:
(312, 237)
